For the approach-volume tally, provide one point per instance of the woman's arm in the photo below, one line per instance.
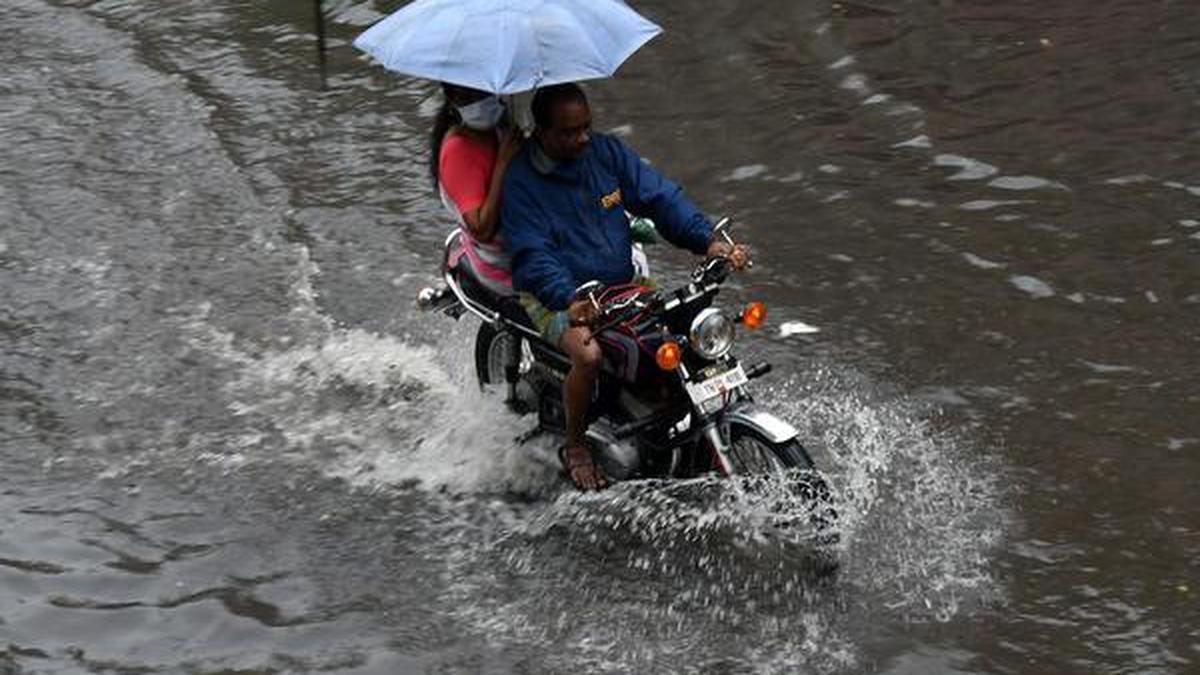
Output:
(484, 221)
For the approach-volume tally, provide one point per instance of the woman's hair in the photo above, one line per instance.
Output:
(446, 118)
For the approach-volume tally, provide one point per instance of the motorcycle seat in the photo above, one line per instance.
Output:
(509, 306)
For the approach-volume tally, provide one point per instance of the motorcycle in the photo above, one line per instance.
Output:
(671, 402)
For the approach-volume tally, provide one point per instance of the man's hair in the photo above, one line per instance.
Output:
(548, 98)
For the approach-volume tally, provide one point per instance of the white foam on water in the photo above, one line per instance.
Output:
(1105, 368)
(920, 141)
(1032, 285)
(969, 169)
(986, 204)
(377, 410)
(1025, 183)
(856, 83)
(843, 62)
(1132, 179)
(982, 263)
(745, 172)
(1174, 443)
(797, 328)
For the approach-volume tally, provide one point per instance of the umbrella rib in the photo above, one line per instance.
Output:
(509, 76)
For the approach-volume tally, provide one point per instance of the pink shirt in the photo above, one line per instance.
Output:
(465, 167)
(465, 171)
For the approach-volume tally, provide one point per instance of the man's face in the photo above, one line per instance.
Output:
(570, 131)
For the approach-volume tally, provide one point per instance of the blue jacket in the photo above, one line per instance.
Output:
(567, 227)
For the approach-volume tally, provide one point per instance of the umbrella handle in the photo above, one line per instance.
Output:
(513, 118)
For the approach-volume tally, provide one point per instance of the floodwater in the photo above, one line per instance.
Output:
(229, 443)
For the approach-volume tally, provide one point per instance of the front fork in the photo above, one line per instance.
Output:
(711, 433)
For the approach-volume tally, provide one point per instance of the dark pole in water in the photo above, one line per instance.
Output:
(320, 17)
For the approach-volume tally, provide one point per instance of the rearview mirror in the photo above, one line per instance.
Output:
(588, 291)
(723, 228)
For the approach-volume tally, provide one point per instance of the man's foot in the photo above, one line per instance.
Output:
(577, 463)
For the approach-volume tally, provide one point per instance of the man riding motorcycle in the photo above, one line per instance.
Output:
(564, 220)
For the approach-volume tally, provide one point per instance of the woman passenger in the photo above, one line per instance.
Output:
(470, 151)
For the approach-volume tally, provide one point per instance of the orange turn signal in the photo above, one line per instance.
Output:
(668, 355)
(755, 315)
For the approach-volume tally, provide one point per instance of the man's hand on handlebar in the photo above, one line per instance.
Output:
(738, 254)
(582, 313)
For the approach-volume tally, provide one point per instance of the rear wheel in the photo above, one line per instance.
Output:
(492, 353)
(495, 353)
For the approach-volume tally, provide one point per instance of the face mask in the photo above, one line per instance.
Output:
(482, 114)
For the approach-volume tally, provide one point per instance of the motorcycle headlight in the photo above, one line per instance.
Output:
(712, 334)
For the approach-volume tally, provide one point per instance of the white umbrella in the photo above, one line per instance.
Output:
(508, 46)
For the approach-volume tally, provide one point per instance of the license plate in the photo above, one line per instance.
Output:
(717, 385)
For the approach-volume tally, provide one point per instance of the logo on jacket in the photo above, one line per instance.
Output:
(611, 199)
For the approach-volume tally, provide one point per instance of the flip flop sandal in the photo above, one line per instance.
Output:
(569, 469)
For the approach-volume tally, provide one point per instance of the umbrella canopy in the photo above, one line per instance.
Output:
(508, 46)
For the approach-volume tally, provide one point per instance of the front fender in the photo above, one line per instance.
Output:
(771, 427)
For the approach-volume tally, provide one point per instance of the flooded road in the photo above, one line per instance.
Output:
(231, 444)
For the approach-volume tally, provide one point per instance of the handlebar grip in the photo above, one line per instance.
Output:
(758, 370)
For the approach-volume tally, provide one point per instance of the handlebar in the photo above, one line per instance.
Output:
(709, 274)
(619, 311)
(714, 269)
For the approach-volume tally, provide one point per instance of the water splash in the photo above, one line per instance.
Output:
(921, 509)
(374, 409)
(692, 561)
(589, 575)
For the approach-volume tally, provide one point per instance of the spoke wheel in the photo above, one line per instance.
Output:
(492, 348)
(751, 453)
(758, 461)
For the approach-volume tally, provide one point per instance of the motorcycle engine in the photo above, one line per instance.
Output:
(619, 460)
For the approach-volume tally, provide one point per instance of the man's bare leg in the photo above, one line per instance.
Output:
(585, 358)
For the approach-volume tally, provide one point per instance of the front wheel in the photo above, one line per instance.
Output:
(751, 452)
(807, 500)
